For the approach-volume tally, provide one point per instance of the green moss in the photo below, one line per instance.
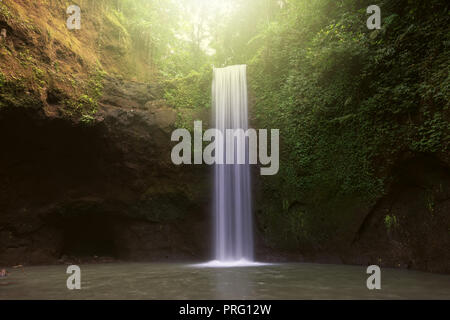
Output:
(162, 207)
(4, 11)
(39, 73)
(86, 105)
(162, 202)
(12, 93)
(25, 58)
(390, 222)
(87, 119)
(2, 79)
(185, 120)
(95, 83)
(433, 135)
(430, 202)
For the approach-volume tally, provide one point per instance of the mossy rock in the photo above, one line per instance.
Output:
(162, 207)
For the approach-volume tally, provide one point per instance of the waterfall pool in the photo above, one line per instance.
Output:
(189, 281)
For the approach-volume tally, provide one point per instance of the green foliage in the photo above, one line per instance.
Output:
(40, 76)
(2, 79)
(433, 133)
(87, 119)
(25, 58)
(11, 93)
(95, 84)
(349, 102)
(390, 222)
(86, 102)
(39, 73)
(86, 105)
(4, 11)
(190, 91)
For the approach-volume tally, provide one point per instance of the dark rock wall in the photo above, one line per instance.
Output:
(104, 189)
(410, 226)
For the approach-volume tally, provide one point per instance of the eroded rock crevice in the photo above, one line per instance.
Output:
(409, 226)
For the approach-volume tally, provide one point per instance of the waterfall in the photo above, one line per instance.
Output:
(233, 231)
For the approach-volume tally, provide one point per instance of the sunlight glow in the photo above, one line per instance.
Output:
(203, 14)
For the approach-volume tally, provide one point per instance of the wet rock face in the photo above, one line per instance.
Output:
(128, 95)
(107, 189)
(410, 226)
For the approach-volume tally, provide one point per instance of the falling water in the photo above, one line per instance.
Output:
(232, 197)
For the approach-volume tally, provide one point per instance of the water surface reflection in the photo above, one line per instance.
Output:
(183, 281)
